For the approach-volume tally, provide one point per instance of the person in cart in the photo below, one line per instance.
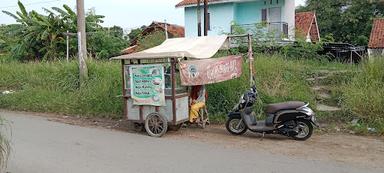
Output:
(198, 98)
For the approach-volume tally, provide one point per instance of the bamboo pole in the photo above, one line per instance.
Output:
(251, 60)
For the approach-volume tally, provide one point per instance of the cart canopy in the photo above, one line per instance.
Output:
(194, 48)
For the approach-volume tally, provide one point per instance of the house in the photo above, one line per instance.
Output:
(173, 31)
(278, 15)
(306, 26)
(376, 41)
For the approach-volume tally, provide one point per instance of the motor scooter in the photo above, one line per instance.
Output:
(293, 119)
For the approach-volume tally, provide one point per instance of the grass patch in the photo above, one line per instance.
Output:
(363, 97)
(54, 87)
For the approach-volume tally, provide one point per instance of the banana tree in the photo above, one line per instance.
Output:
(41, 37)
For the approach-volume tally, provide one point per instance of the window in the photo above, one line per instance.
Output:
(264, 15)
(209, 21)
(285, 30)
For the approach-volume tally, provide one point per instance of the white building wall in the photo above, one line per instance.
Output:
(288, 15)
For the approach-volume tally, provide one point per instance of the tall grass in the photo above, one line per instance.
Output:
(364, 95)
(53, 87)
(4, 147)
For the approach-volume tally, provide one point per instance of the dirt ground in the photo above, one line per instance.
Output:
(366, 151)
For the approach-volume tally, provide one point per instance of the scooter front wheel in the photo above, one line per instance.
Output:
(235, 126)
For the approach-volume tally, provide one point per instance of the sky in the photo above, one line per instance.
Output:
(125, 13)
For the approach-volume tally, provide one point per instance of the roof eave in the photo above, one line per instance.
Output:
(210, 3)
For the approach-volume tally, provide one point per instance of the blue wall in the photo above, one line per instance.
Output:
(223, 15)
(221, 18)
(250, 12)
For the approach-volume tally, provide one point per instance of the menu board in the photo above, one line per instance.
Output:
(147, 85)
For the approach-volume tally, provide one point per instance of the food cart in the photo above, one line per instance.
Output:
(155, 80)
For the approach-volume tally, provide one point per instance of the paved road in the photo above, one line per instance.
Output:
(42, 146)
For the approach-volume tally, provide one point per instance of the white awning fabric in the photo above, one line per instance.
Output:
(194, 48)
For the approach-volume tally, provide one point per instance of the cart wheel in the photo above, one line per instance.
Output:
(156, 125)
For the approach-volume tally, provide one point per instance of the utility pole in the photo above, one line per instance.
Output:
(67, 46)
(205, 17)
(198, 18)
(82, 43)
(166, 29)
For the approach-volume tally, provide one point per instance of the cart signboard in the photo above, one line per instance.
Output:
(147, 84)
(209, 71)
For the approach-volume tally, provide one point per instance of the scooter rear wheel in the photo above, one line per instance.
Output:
(235, 126)
(305, 130)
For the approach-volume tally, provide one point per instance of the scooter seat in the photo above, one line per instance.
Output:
(273, 108)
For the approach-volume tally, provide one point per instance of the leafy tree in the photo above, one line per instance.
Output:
(39, 36)
(116, 31)
(136, 33)
(347, 20)
(105, 44)
(42, 36)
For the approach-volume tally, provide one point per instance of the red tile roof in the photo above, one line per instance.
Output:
(192, 2)
(377, 34)
(174, 31)
(130, 50)
(306, 23)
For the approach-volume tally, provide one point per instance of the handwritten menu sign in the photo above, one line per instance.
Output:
(209, 71)
(147, 85)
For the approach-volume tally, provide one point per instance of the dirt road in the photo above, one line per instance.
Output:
(42, 146)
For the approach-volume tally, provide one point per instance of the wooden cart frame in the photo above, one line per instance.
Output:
(173, 97)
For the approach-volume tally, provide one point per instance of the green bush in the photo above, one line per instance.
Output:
(302, 50)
